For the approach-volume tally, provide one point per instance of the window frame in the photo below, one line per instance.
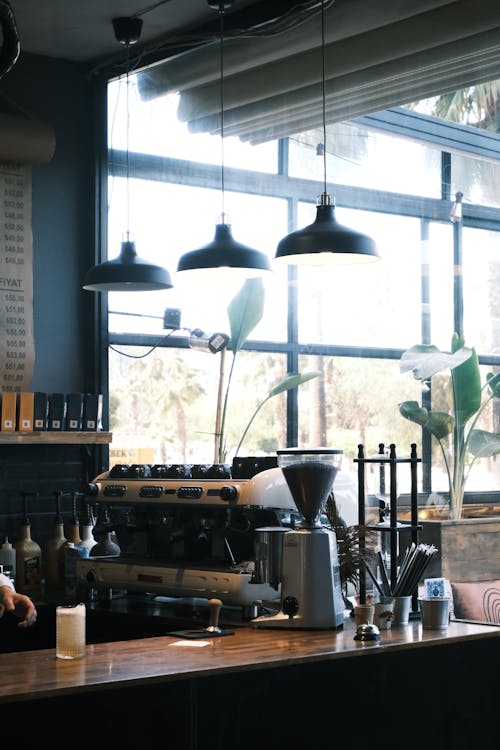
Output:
(450, 138)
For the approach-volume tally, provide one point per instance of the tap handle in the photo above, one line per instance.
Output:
(214, 607)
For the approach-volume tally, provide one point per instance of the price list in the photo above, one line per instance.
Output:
(16, 278)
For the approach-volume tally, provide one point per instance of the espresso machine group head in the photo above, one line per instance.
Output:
(311, 593)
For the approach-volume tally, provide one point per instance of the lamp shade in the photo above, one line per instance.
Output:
(224, 252)
(326, 242)
(127, 273)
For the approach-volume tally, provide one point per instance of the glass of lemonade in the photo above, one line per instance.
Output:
(70, 631)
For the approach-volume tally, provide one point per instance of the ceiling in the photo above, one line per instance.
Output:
(82, 31)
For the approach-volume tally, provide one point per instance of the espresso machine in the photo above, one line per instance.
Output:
(311, 593)
(186, 531)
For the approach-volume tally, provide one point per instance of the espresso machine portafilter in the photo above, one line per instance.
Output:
(305, 558)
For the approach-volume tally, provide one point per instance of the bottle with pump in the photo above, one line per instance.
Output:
(8, 559)
(28, 557)
(54, 573)
(73, 530)
(72, 537)
(86, 528)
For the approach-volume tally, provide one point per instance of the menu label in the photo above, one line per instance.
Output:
(17, 350)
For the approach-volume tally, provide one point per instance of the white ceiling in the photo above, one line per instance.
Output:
(81, 30)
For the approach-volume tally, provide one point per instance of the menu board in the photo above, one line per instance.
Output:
(17, 351)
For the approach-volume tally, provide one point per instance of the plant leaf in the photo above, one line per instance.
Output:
(439, 423)
(426, 360)
(484, 444)
(466, 382)
(292, 380)
(493, 380)
(245, 311)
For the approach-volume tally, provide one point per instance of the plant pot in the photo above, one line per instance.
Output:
(467, 549)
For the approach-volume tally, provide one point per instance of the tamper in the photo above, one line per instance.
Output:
(214, 608)
(213, 630)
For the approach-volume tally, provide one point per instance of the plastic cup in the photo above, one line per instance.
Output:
(70, 631)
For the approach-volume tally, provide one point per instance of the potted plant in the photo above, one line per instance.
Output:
(245, 311)
(461, 442)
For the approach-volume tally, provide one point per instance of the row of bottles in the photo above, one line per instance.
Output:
(27, 564)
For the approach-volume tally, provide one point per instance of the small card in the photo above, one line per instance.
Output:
(435, 587)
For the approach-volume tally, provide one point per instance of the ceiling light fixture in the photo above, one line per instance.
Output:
(237, 260)
(325, 241)
(127, 272)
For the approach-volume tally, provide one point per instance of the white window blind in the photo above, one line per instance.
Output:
(378, 55)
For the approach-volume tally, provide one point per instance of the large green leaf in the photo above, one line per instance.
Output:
(424, 360)
(292, 380)
(439, 423)
(484, 444)
(466, 383)
(245, 311)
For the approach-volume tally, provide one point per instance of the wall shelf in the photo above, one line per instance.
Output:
(55, 438)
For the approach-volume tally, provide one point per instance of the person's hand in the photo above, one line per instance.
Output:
(19, 604)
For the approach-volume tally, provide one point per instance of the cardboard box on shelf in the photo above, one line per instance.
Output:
(25, 411)
(8, 411)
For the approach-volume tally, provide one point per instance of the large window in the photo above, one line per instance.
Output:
(351, 324)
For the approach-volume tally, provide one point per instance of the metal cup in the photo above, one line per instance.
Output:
(269, 555)
(435, 612)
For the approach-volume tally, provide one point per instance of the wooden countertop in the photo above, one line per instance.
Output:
(39, 674)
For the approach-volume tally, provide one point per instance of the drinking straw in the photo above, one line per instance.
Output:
(383, 572)
(415, 561)
(374, 579)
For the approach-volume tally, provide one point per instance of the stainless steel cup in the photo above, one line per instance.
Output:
(435, 612)
(269, 555)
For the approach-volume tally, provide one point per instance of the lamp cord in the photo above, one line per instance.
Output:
(323, 90)
(127, 140)
(221, 15)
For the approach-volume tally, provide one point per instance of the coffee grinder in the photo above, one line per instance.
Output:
(311, 594)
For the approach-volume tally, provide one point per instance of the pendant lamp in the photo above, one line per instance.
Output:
(237, 261)
(127, 272)
(325, 241)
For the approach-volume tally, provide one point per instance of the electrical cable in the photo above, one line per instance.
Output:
(150, 351)
(294, 17)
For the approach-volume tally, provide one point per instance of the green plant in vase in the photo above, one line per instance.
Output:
(461, 442)
(245, 311)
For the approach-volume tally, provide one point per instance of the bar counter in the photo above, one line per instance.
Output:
(261, 682)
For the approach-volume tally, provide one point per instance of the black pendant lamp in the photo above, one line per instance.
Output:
(325, 241)
(224, 253)
(127, 272)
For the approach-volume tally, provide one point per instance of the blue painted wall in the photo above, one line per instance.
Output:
(59, 94)
(63, 217)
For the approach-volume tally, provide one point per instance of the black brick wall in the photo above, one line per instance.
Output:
(44, 470)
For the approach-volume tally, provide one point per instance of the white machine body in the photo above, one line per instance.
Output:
(311, 593)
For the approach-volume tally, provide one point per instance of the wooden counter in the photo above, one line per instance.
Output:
(38, 674)
(279, 685)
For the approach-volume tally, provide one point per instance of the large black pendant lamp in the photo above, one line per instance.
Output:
(237, 261)
(127, 272)
(325, 241)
